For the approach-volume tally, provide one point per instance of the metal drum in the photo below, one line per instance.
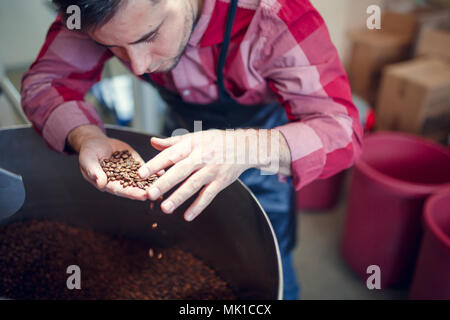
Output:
(233, 235)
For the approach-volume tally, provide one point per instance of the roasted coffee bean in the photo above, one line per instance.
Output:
(35, 256)
(154, 225)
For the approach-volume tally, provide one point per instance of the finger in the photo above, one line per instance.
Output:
(176, 174)
(190, 187)
(93, 170)
(205, 197)
(165, 159)
(163, 143)
(115, 188)
(87, 178)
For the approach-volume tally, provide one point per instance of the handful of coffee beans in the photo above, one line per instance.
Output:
(123, 168)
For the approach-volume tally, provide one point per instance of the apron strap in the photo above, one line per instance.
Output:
(224, 97)
(223, 94)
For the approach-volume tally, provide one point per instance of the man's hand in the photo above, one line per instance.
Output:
(211, 160)
(93, 145)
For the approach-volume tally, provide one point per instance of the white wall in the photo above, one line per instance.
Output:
(23, 26)
(342, 15)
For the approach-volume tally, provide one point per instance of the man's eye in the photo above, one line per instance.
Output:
(152, 37)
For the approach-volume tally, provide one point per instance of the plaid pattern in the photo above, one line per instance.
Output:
(280, 49)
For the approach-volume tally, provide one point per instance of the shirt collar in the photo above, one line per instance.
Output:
(202, 23)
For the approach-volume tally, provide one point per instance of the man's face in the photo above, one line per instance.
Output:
(151, 37)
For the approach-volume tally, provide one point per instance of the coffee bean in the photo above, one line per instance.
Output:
(35, 256)
(154, 225)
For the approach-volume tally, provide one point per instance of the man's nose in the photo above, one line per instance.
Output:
(139, 60)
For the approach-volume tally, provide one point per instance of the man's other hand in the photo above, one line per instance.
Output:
(93, 146)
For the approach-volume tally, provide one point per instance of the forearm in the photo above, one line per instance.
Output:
(53, 89)
(79, 135)
(270, 151)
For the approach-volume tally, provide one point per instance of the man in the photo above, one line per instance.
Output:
(265, 65)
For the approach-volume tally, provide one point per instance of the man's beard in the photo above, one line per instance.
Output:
(188, 29)
(174, 61)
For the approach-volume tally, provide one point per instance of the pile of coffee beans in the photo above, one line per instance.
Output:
(123, 168)
(35, 256)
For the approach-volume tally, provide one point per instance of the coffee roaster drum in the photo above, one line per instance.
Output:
(233, 235)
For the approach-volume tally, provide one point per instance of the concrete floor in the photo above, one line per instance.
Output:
(322, 272)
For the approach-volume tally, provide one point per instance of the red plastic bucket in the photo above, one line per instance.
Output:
(392, 179)
(432, 276)
(321, 194)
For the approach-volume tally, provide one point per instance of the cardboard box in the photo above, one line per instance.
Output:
(434, 43)
(415, 97)
(440, 3)
(371, 52)
(403, 24)
(374, 49)
(430, 17)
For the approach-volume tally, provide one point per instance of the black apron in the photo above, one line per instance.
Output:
(277, 198)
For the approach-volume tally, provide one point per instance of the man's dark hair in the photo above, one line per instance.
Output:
(94, 13)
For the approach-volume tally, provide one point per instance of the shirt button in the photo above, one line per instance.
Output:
(186, 92)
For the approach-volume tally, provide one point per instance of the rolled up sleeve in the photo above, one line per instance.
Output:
(54, 87)
(303, 69)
